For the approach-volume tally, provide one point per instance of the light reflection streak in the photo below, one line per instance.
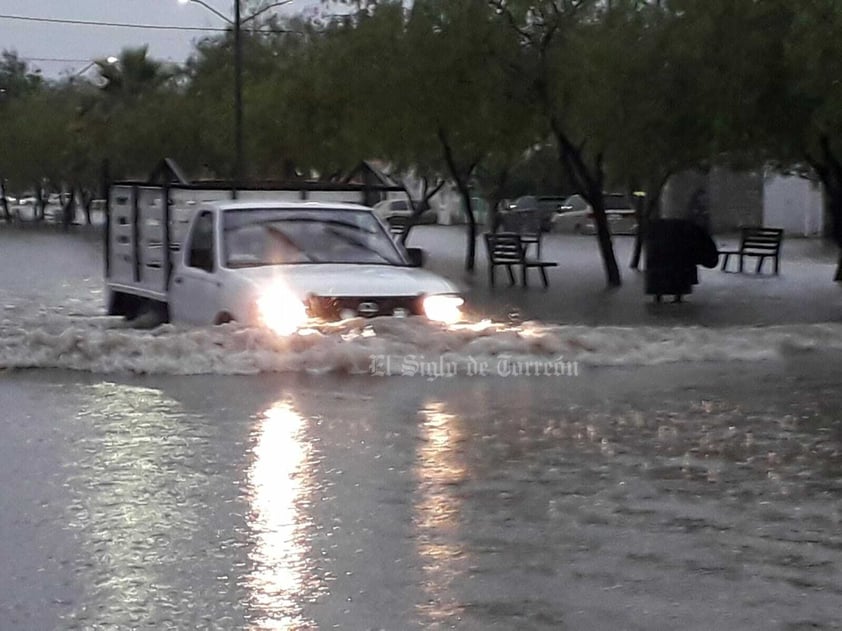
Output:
(278, 481)
(132, 505)
(439, 471)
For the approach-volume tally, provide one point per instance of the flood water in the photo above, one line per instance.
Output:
(622, 498)
(217, 479)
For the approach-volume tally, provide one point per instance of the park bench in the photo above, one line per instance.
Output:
(760, 243)
(399, 225)
(526, 223)
(508, 249)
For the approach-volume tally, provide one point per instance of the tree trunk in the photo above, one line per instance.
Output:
(834, 208)
(647, 208)
(829, 169)
(462, 177)
(68, 210)
(419, 206)
(603, 235)
(40, 207)
(640, 214)
(646, 211)
(495, 197)
(87, 202)
(588, 181)
(470, 254)
(7, 215)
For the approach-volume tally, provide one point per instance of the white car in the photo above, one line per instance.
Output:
(402, 208)
(576, 215)
(279, 264)
(544, 207)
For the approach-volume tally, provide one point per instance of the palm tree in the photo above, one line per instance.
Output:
(133, 75)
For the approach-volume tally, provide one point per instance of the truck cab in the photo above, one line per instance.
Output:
(266, 262)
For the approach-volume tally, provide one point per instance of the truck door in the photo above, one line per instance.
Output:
(195, 286)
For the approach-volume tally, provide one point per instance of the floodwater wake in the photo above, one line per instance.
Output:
(95, 343)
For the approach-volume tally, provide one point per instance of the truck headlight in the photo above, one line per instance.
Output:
(443, 308)
(281, 311)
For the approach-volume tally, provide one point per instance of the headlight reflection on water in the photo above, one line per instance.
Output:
(440, 470)
(278, 483)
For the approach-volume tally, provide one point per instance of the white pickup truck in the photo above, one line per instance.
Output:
(267, 259)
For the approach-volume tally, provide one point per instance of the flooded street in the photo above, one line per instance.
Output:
(216, 479)
(622, 498)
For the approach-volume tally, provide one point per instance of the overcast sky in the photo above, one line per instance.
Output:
(41, 42)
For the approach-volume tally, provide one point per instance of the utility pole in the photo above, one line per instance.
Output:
(238, 98)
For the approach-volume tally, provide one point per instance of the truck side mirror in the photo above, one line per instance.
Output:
(415, 256)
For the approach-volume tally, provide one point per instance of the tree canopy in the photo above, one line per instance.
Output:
(500, 97)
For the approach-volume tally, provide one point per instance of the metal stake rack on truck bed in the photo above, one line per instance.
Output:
(146, 225)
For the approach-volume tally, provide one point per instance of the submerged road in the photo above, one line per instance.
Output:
(691, 495)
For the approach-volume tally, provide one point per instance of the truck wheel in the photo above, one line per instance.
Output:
(122, 304)
(149, 314)
(223, 318)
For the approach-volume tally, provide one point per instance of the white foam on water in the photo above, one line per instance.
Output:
(40, 337)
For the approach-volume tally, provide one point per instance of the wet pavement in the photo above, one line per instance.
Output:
(696, 495)
(803, 292)
(646, 499)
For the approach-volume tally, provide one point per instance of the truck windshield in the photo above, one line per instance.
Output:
(256, 237)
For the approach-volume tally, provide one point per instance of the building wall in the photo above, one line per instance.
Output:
(675, 199)
(730, 199)
(736, 200)
(793, 203)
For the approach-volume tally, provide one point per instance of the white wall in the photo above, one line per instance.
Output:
(448, 205)
(793, 203)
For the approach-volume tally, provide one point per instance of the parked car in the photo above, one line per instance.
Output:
(546, 206)
(401, 207)
(576, 215)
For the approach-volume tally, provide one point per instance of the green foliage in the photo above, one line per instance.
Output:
(133, 76)
(16, 80)
(35, 125)
(478, 91)
(812, 70)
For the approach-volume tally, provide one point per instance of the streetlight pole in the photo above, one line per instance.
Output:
(107, 61)
(238, 98)
(237, 26)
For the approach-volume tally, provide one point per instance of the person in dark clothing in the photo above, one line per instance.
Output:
(674, 247)
(698, 209)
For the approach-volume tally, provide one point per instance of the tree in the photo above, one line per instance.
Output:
(16, 79)
(36, 125)
(138, 115)
(809, 126)
(661, 121)
(16, 82)
(420, 96)
(563, 61)
(134, 75)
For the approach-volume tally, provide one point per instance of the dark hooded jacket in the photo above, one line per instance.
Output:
(674, 247)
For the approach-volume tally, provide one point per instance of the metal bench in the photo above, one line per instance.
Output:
(508, 249)
(399, 226)
(526, 223)
(757, 242)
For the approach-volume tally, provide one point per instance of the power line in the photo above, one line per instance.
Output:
(154, 27)
(61, 60)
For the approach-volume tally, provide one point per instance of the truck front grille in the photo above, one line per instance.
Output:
(334, 308)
